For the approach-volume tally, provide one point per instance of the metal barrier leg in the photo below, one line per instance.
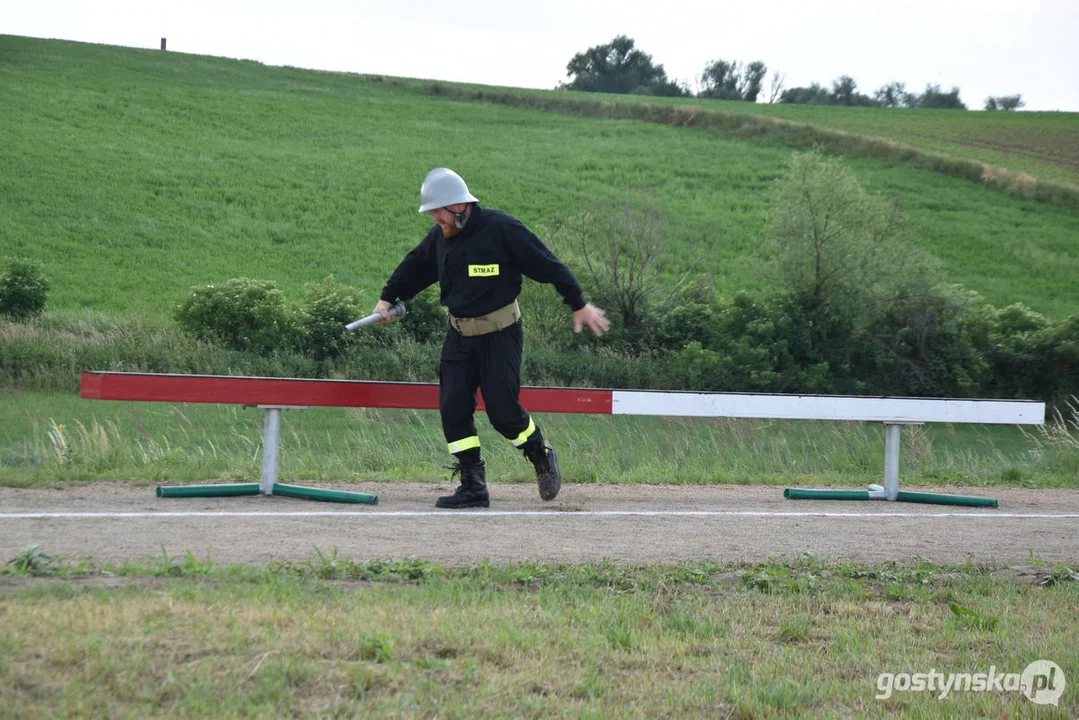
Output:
(891, 460)
(271, 446)
(891, 482)
(271, 454)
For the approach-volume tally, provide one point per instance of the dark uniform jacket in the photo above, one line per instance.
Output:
(479, 269)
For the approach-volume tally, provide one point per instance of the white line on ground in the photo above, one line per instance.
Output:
(478, 514)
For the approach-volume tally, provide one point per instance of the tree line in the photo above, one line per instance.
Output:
(619, 67)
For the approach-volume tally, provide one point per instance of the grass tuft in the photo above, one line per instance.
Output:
(33, 562)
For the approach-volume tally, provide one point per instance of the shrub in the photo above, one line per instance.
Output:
(49, 353)
(759, 340)
(425, 320)
(820, 335)
(691, 314)
(677, 325)
(920, 345)
(327, 308)
(743, 345)
(1010, 340)
(242, 314)
(623, 252)
(23, 289)
(547, 319)
(1056, 351)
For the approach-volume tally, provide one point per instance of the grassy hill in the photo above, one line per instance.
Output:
(1043, 144)
(136, 174)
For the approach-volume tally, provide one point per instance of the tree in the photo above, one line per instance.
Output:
(776, 89)
(722, 80)
(752, 79)
(618, 67)
(895, 95)
(812, 95)
(840, 254)
(1004, 102)
(845, 92)
(934, 97)
(665, 88)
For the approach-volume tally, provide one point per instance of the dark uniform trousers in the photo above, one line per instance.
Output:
(492, 363)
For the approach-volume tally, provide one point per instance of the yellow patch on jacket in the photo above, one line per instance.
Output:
(482, 270)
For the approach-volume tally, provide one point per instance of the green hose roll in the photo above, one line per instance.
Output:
(935, 499)
(310, 493)
(190, 491)
(799, 494)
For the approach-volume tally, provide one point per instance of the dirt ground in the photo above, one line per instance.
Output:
(730, 524)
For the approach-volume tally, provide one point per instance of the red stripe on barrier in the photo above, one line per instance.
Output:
(258, 391)
(315, 393)
(91, 385)
(567, 400)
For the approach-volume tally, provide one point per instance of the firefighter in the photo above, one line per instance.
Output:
(478, 255)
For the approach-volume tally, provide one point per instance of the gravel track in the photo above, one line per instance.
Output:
(634, 523)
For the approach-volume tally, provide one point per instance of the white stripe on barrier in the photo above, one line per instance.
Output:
(824, 407)
(479, 514)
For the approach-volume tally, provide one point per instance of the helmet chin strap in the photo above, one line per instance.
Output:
(459, 218)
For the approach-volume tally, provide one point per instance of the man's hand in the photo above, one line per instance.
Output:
(383, 309)
(593, 317)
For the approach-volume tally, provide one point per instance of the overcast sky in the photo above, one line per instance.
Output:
(986, 47)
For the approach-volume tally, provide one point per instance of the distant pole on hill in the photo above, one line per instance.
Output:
(162, 43)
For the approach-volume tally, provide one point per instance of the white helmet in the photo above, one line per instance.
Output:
(443, 187)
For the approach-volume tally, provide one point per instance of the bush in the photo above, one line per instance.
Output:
(328, 307)
(624, 253)
(547, 320)
(1008, 339)
(1056, 349)
(921, 345)
(23, 289)
(50, 352)
(690, 315)
(752, 352)
(425, 320)
(242, 314)
(818, 335)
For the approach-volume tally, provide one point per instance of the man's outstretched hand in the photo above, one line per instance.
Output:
(592, 317)
(383, 309)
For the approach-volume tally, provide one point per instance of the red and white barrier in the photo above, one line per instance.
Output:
(274, 394)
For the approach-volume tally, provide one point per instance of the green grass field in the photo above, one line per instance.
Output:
(327, 637)
(135, 175)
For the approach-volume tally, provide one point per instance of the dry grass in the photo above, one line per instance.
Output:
(525, 641)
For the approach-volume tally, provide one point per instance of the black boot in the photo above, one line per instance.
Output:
(472, 492)
(544, 459)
